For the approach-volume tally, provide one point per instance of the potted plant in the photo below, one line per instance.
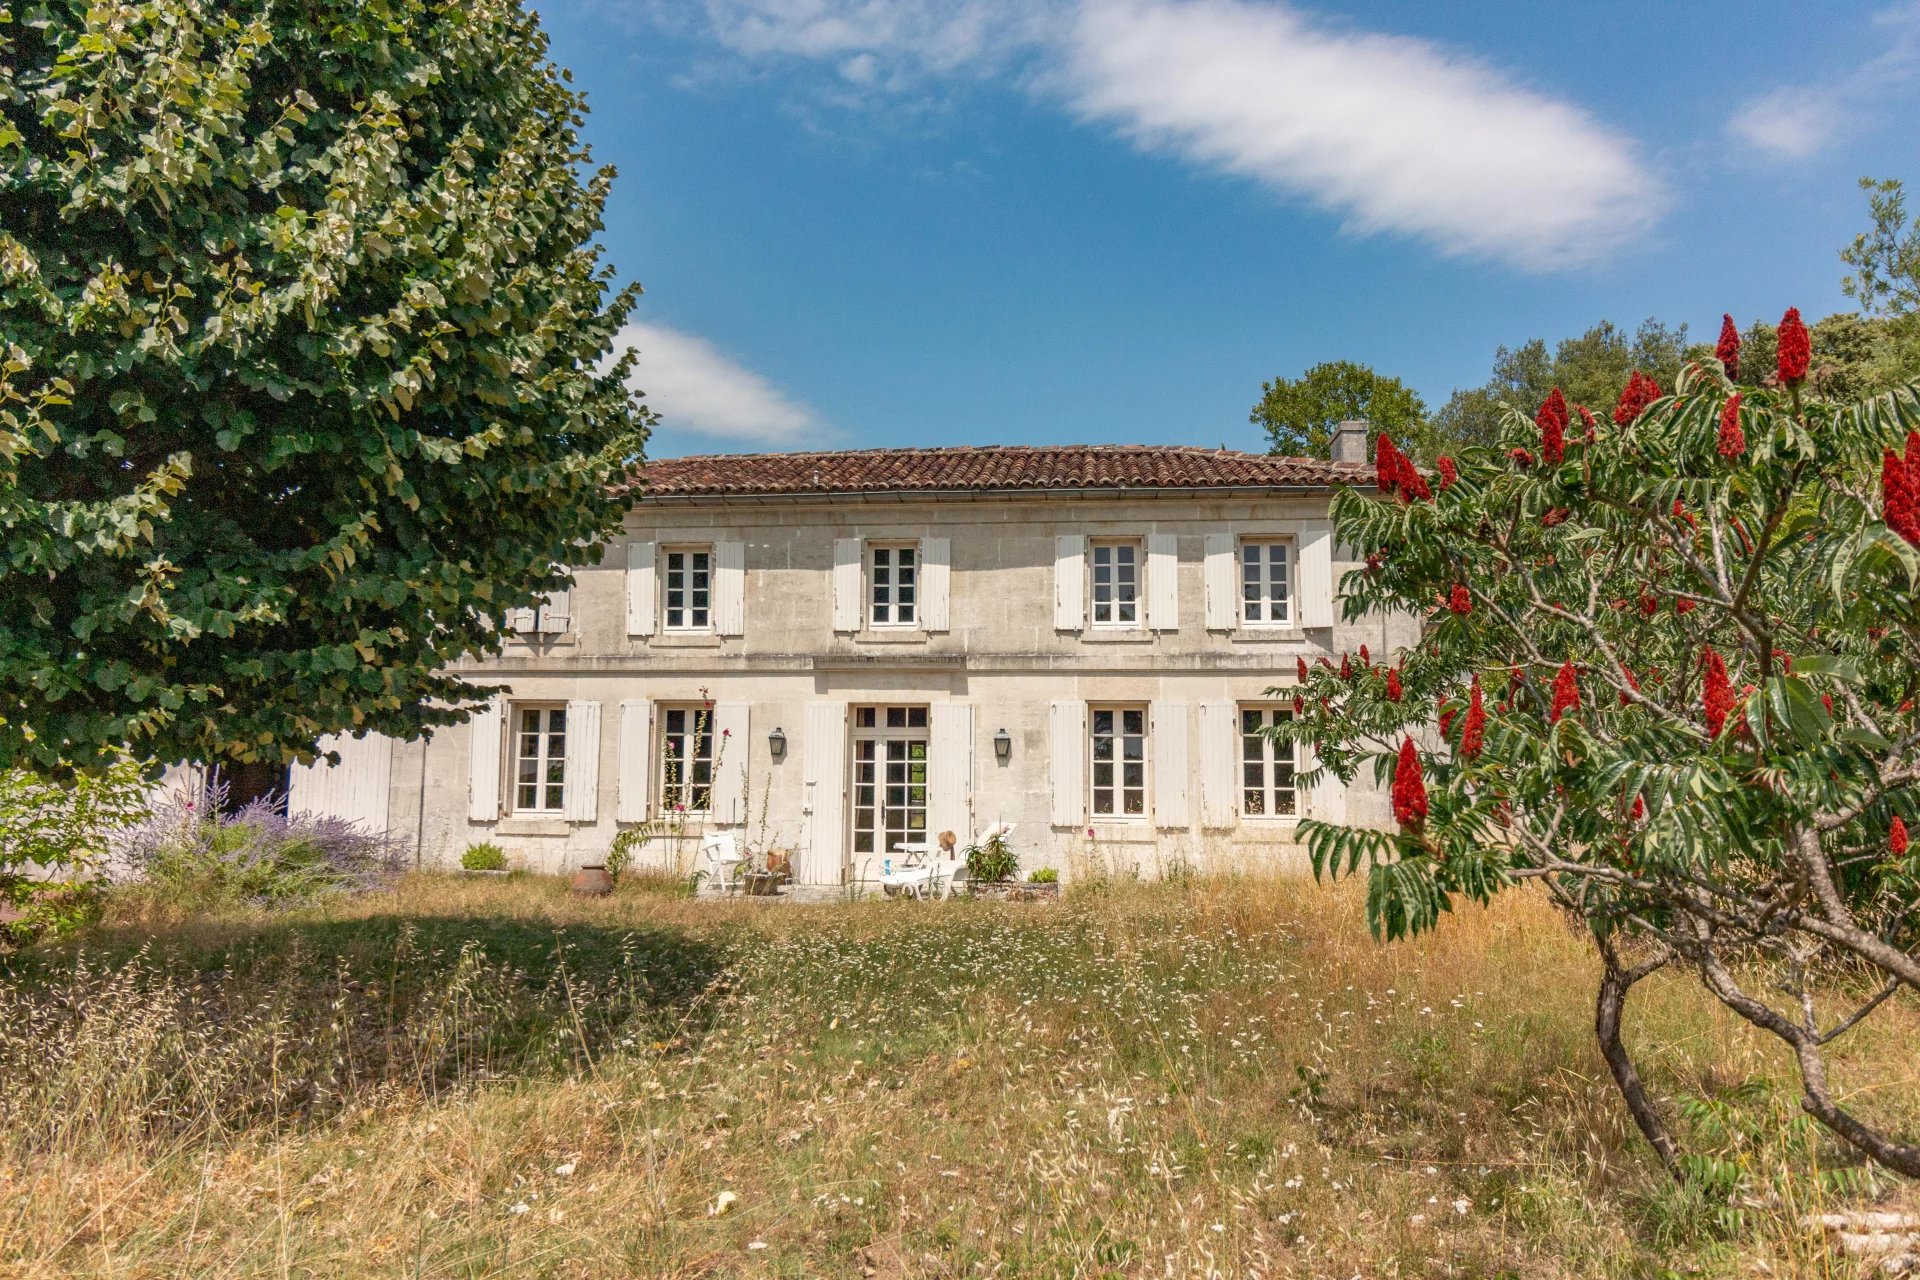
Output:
(991, 865)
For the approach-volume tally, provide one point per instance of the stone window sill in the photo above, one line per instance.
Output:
(528, 825)
(1117, 635)
(687, 640)
(891, 635)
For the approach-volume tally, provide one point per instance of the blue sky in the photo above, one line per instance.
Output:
(980, 221)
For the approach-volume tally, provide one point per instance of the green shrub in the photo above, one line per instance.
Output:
(485, 856)
(1044, 875)
(992, 861)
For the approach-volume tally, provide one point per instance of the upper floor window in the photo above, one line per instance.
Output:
(1265, 583)
(893, 578)
(1267, 788)
(689, 588)
(539, 759)
(686, 759)
(1119, 749)
(1114, 591)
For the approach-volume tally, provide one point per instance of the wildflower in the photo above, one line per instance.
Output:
(1461, 601)
(1897, 838)
(1796, 347)
(1473, 734)
(1639, 392)
(1727, 350)
(1716, 695)
(1386, 467)
(1393, 684)
(1552, 421)
(1566, 693)
(1733, 442)
(1449, 473)
(1409, 788)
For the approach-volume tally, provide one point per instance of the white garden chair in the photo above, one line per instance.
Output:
(720, 851)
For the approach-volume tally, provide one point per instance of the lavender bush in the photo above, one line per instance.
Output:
(193, 851)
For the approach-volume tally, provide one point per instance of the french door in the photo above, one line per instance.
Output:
(889, 779)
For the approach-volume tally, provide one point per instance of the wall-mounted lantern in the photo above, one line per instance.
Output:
(777, 743)
(1002, 746)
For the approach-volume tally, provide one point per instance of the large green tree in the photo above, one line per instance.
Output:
(305, 370)
(1299, 414)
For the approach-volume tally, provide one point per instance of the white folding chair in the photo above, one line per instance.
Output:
(720, 850)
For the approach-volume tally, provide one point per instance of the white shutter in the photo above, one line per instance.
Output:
(846, 584)
(1316, 576)
(484, 740)
(640, 584)
(1069, 582)
(824, 754)
(1163, 582)
(729, 588)
(730, 763)
(1219, 737)
(356, 789)
(936, 576)
(1067, 755)
(1327, 798)
(583, 761)
(1169, 755)
(950, 770)
(521, 621)
(633, 794)
(556, 612)
(1223, 598)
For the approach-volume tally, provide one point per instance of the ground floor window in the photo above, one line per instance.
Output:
(539, 759)
(1119, 773)
(1266, 767)
(686, 759)
(889, 778)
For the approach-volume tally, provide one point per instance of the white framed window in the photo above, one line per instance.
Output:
(1113, 586)
(1268, 769)
(539, 758)
(686, 759)
(1118, 748)
(687, 581)
(893, 584)
(1266, 582)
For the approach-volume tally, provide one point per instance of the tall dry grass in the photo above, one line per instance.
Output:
(1220, 1078)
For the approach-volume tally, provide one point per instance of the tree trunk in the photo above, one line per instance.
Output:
(1614, 985)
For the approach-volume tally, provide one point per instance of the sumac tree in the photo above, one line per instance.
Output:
(1669, 672)
(303, 375)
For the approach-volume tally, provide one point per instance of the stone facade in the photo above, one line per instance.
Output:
(1001, 680)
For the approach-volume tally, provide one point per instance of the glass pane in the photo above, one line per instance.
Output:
(1135, 721)
(896, 718)
(1253, 803)
(1250, 720)
(917, 719)
(864, 719)
(1102, 723)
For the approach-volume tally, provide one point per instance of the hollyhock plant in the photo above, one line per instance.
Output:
(1727, 350)
(1710, 787)
(1796, 347)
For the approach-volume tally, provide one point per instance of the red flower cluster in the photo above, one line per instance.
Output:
(1446, 722)
(1366, 656)
(1733, 441)
(1346, 667)
(1461, 601)
(1586, 416)
(1684, 606)
(1556, 516)
(1301, 669)
(1649, 603)
(1632, 684)
(1520, 457)
(1409, 788)
(1716, 693)
(1473, 734)
(1900, 489)
(1639, 808)
(1394, 472)
(1897, 838)
(1448, 472)
(1393, 684)
(1796, 347)
(1639, 392)
(1552, 421)
(1727, 350)
(1566, 693)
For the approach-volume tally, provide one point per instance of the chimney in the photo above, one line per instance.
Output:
(1349, 442)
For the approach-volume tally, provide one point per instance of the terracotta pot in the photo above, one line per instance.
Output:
(592, 881)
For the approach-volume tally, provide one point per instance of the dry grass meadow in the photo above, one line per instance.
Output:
(475, 1077)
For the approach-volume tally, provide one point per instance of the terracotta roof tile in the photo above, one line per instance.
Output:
(989, 468)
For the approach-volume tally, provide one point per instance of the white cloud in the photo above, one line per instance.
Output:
(694, 387)
(1794, 122)
(1393, 134)
(1396, 134)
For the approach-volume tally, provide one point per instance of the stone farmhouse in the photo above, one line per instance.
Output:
(838, 654)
